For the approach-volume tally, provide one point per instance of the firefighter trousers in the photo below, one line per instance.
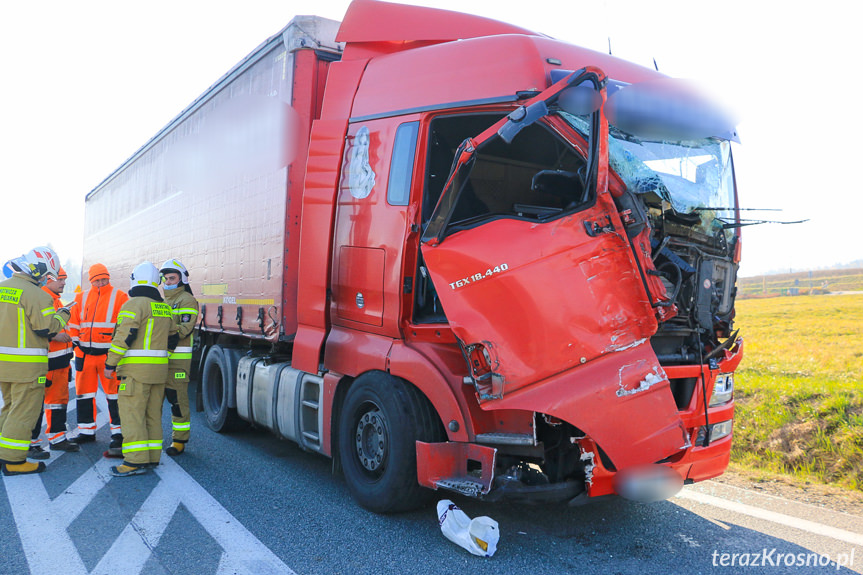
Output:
(177, 394)
(56, 403)
(21, 405)
(141, 411)
(90, 374)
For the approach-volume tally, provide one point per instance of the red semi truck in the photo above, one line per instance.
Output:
(422, 250)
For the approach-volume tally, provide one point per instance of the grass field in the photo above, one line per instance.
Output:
(799, 390)
(801, 283)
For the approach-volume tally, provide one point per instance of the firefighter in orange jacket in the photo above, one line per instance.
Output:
(57, 386)
(91, 326)
(145, 334)
(28, 321)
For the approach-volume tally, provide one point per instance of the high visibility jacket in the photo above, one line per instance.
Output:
(185, 309)
(27, 321)
(59, 353)
(139, 348)
(94, 318)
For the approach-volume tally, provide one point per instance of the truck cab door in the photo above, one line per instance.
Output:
(542, 288)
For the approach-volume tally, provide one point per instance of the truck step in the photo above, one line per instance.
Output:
(310, 411)
(463, 486)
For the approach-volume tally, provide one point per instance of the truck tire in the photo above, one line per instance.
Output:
(380, 422)
(220, 372)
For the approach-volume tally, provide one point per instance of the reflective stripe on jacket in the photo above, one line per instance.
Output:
(139, 348)
(27, 321)
(185, 310)
(93, 319)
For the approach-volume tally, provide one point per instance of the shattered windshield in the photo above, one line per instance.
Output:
(692, 175)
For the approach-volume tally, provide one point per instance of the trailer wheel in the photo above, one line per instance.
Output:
(380, 422)
(219, 372)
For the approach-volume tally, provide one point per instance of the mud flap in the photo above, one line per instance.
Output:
(622, 400)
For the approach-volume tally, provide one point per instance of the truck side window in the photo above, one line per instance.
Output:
(446, 133)
(534, 177)
(402, 165)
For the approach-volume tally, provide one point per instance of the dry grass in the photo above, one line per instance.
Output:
(800, 388)
(801, 283)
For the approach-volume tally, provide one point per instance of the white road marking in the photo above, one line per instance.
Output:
(242, 551)
(38, 519)
(773, 517)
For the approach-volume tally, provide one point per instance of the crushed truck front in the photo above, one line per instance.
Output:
(587, 274)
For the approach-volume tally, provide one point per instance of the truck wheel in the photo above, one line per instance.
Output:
(220, 371)
(381, 419)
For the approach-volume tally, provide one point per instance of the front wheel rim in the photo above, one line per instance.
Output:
(371, 441)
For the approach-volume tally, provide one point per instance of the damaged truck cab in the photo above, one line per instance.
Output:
(559, 292)
(476, 264)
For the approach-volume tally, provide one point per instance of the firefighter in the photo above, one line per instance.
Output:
(178, 294)
(59, 375)
(35, 451)
(28, 321)
(91, 326)
(145, 334)
(56, 396)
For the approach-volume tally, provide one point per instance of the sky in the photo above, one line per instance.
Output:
(87, 83)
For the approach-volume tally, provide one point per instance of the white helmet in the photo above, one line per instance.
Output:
(174, 266)
(145, 274)
(38, 263)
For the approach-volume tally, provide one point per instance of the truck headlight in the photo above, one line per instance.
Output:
(723, 389)
(717, 432)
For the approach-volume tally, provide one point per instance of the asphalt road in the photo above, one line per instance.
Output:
(249, 503)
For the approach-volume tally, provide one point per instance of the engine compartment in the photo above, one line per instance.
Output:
(700, 275)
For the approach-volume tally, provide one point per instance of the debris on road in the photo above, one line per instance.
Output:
(479, 535)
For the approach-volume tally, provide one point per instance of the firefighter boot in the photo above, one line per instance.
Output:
(65, 445)
(176, 448)
(24, 468)
(37, 452)
(126, 470)
(115, 448)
